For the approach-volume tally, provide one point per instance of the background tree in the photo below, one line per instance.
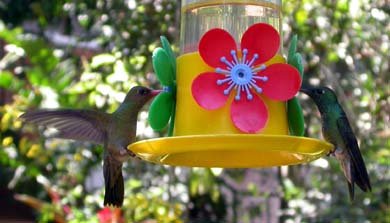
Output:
(87, 54)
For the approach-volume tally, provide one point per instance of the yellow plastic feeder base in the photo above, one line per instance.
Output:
(231, 150)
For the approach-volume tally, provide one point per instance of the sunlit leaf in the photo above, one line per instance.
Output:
(102, 59)
(301, 16)
(5, 79)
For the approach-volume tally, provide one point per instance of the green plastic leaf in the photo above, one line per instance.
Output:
(160, 111)
(295, 117)
(296, 61)
(292, 48)
(162, 66)
(294, 58)
(168, 49)
(5, 79)
(294, 109)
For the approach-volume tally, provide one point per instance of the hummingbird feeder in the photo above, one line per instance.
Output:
(229, 99)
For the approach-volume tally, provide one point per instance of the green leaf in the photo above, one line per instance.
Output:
(168, 49)
(102, 59)
(295, 117)
(160, 111)
(162, 66)
(5, 79)
(34, 76)
(301, 16)
(292, 48)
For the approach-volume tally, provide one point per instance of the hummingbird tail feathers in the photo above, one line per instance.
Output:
(359, 176)
(359, 173)
(351, 189)
(113, 179)
(114, 194)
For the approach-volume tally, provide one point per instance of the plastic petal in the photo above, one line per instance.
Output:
(283, 81)
(168, 49)
(163, 66)
(249, 116)
(160, 111)
(216, 43)
(262, 39)
(207, 93)
(295, 117)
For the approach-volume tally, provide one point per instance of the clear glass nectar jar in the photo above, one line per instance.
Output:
(235, 16)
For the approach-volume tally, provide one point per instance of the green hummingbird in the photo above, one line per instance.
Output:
(114, 131)
(336, 130)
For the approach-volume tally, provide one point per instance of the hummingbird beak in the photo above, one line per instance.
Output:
(304, 90)
(154, 93)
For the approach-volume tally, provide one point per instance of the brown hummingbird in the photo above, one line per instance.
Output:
(114, 131)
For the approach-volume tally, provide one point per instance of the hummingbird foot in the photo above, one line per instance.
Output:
(132, 154)
(330, 153)
(333, 152)
(126, 152)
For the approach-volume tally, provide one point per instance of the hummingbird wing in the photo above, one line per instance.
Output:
(83, 125)
(359, 173)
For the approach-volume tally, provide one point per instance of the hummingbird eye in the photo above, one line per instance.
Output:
(142, 91)
(320, 91)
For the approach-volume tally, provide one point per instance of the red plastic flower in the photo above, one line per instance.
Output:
(246, 75)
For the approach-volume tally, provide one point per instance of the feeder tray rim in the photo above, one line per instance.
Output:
(231, 150)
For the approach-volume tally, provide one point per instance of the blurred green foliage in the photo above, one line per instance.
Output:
(87, 54)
